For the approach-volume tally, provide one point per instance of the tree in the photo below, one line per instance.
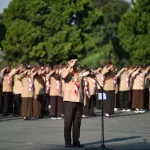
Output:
(47, 31)
(112, 11)
(109, 49)
(2, 36)
(2, 29)
(105, 54)
(134, 30)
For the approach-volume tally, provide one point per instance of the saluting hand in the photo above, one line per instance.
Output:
(32, 70)
(72, 62)
(3, 70)
(52, 71)
(109, 68)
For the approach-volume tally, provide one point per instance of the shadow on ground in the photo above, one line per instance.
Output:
(113, 140)
(97, 145)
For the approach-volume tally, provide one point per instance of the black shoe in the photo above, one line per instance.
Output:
(41, 116)
(68, 145)
(92, 115)
(78, 145)
(5, 114)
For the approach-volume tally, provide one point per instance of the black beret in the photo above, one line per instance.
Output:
(72, 57)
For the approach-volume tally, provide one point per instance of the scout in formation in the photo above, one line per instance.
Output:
(36, 91)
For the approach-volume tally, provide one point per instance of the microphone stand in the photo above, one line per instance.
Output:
(102, 118)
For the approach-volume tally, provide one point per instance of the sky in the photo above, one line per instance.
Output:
(4, 4)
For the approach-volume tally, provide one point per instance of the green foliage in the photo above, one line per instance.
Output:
(104, 54)
(2, 36)
(47, 31)
(21, 36)
(109, 49)
(134, 30)
(2, 29)
(112, 10)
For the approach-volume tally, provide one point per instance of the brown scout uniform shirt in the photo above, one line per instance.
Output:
(100, 79)
(138, 81)
(69, 90)
(92, 91)
(53, 87)
(17, 88)
(109, 83)
(124, 82)
(39, 85)
(147, 81)
(8, 87)
(25, 88)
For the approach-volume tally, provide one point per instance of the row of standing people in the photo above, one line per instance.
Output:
(34, 88)
(127, 89)
(28, 91)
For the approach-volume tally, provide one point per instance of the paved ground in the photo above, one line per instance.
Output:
(124, 131)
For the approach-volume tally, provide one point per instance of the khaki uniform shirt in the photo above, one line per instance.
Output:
(138, 82)
(100, 79)
(39, 85)
(25, 88)
(92, 88)
(63, 83)
(109, 82)
(53, 87)
(124, 82)
(17, 88)
(147, 81)
(8, 87)
(69, 90)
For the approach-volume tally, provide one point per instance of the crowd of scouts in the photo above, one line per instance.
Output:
(38, 91)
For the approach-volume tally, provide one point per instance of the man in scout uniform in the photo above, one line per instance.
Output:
(73, 101)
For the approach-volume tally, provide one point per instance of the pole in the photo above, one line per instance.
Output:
(102, 119)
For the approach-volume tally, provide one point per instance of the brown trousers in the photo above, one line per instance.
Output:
(91, 104)
(38, 105)
(26, 107)
(109, 103)
(149, 102)
(62, 107)
(8, 102)
(17, 104)
(124, 99)
(46, 104)
(72, 116)
(138, 99)
(146, 98)
(1, 105)
(88, 109)
(56, 106)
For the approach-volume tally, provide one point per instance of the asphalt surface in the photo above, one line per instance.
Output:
(123, 131)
